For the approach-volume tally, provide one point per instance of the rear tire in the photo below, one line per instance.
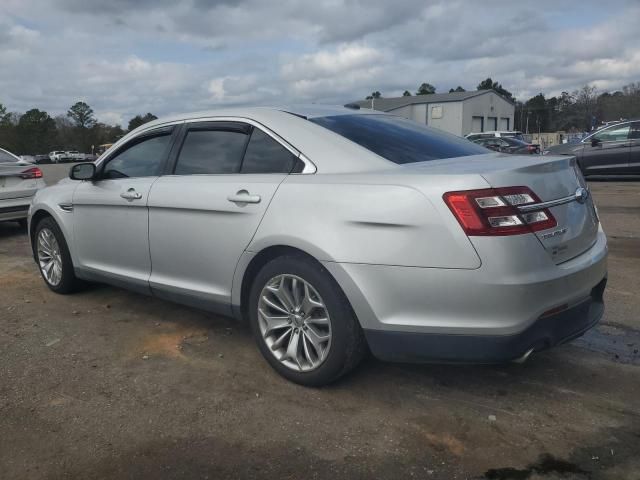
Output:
(53, 257)
(295, 343)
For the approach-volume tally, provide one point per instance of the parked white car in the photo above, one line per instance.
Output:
(74, 156)
(57, 156)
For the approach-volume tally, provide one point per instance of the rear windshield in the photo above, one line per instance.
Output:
(397, 139)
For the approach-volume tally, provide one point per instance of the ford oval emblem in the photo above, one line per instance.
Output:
(581, 195)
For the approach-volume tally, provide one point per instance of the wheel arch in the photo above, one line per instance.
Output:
(41, 211)
(256, 262)
(36, 217)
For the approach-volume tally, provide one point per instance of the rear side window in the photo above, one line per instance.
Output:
(210, 152)
(265, 155)
(397, 139)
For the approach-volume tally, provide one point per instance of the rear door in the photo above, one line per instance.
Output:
(203, 216)
(634, 149)
(110, 213)
(607, 152)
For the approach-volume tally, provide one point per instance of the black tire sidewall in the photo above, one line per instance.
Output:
(68, 282)
(344, 326)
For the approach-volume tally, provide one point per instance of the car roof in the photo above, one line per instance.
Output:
(303, 111)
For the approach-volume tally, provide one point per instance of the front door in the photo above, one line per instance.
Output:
(111, 217)
(202, 218)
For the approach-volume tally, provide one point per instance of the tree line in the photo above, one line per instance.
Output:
(36, 132)
(577, 111)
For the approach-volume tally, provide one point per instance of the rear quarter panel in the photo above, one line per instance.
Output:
(381, 219)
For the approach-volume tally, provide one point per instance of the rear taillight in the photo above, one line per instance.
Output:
(34, 172)
(494, 211)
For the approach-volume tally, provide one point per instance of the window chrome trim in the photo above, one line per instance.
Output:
(309, 167)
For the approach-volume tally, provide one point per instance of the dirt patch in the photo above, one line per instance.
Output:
(170, 344)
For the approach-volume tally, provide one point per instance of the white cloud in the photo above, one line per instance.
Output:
(165, 57)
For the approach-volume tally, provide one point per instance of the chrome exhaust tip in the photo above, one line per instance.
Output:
(524, 357)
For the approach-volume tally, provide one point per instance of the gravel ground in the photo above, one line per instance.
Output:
(110, 384)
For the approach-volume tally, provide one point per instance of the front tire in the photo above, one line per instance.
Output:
(53, 257)
(303, 323)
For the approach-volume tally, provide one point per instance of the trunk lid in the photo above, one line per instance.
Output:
(549, 177)
(554, 179)
(12, 185)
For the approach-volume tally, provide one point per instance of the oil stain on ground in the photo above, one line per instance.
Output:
(620, 344)
(546, 465)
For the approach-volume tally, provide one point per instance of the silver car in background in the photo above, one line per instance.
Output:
(332, 230)
(19, 181)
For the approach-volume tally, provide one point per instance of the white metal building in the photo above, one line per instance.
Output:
(459, 113)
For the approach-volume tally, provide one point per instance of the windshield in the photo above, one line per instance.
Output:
(397, 139)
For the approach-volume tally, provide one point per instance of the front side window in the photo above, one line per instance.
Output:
(265, 155)
(210, 152)
(635, 131)
(144, 158)
(612, 134)
(397, 139)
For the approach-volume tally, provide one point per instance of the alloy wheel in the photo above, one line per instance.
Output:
(49, 257)
(294, 322)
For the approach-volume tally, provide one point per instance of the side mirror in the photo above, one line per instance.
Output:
(595, 142)
(82, 171)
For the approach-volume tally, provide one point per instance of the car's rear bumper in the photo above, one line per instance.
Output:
(492, 313)
(545, 332)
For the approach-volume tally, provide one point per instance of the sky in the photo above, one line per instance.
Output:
(125, 57)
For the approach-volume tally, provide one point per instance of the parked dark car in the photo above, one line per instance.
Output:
(508, 145)
(40, 159)
(613, 150)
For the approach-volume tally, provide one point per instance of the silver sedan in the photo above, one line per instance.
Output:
(19, 181)
(334, 231)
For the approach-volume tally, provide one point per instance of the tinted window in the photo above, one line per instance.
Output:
(612, 134)
(265, 155)
(143, 159)
(397, 139)
(6, 158)
(635, 130)
(211, 152)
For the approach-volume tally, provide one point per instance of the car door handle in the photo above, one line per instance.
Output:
(131, 194)
(242, 196)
